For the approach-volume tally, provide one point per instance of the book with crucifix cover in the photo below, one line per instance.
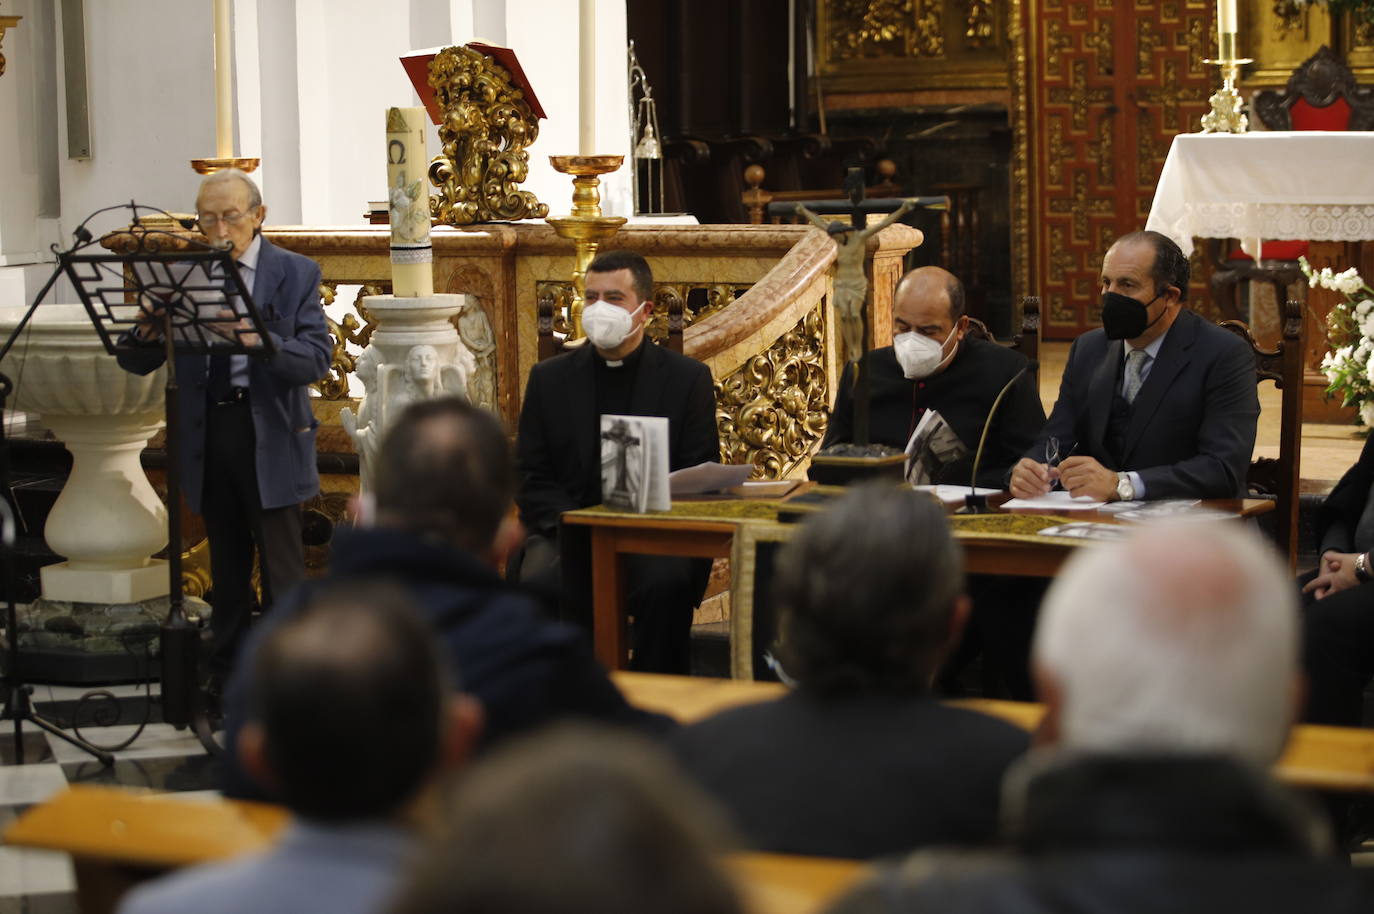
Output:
(634, 463)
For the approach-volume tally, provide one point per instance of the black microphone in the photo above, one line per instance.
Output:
(973, 502)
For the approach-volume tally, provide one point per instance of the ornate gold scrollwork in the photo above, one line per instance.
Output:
(334, 386)
(978, 34)
(1289, 16)
(869, 28)
(195, 570)
(773, 409)
(928, 37)
(719, 295)
(486, 129)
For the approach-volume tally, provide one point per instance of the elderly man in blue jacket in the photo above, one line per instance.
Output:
(247, 451)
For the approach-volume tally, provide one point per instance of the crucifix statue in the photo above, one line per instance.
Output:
(620, 436)
(851, 283)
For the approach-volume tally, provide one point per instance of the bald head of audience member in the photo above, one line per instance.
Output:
(574, 820)
(930, 301)
(1182, 638)
(871, 594)
(445, 472)
(353, 709)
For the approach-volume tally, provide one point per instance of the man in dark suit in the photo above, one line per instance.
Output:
(1338, 600)
(859, 760)
(934, 365)
(247, 452)
(439, 524)
(1159, 403)
(558, 455)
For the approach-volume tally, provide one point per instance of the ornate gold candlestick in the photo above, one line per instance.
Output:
(585, 226)
(1227, 114)
(215, 163)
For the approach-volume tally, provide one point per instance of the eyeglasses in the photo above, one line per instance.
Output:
(210, 220)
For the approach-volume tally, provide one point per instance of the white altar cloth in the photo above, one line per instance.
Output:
(1306, 185)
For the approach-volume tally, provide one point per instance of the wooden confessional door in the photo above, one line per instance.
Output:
(1111, 83)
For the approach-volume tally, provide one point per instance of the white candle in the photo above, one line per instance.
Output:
(412, 257)
(224, 84)
(1226, 16)
(586, 73)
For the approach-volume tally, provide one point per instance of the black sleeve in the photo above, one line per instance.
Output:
(147, 359)
(700, 439)
(1019, 420)
(1063, 420)
(1345, 504)
(841, 426)
(541, 498)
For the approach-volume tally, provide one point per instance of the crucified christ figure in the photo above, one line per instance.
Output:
(851, 285)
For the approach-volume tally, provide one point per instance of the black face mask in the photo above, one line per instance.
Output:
(1125, 318)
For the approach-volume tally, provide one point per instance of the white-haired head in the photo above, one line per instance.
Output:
(228, 176)
(1180, 638)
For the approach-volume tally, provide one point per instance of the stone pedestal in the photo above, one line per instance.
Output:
(107, 520)
(414, 354)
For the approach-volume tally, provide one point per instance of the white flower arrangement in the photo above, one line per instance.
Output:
(1349, 365)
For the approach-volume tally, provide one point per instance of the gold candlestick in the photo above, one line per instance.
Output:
(1227, 114)
(585, 226)
(211, 165)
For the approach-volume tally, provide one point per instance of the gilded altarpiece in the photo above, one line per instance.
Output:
(868, 45)
(1111, 84)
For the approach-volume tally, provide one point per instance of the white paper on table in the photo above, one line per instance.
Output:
(1055, 501)
(708, 477)
(954, 495)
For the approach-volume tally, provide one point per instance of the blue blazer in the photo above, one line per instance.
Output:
(287, 292)
(1192, 430)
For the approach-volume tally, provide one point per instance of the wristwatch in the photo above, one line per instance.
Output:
(1124, 490)
(1362, 568)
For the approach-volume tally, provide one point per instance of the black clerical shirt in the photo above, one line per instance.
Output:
(963, 394)
(615, 383)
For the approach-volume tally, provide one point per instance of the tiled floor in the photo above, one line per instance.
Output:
(161, 758)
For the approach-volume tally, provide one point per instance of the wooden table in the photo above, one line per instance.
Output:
(615, 535)
(1317, 757)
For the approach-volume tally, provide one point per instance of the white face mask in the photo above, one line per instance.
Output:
(919, 355)
(608, 325)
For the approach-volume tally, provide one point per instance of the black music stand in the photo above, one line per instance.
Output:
(195, 292)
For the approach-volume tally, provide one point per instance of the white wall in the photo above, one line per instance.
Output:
(312, 80)
(544, 36)
(151, 89)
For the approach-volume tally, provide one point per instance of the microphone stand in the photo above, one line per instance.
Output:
(973, 502)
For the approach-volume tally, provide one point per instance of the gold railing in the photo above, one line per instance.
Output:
(757, 315)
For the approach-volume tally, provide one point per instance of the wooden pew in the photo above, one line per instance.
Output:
(119, 837)
(1317, 757)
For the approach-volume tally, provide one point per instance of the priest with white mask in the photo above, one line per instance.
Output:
(558, 457)
(934, 364)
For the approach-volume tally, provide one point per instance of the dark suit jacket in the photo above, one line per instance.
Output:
(861, 776)
(963, 394)
(1192, 432)
(558, 452)
(1339, 514)
(526, 669)
(286, 290)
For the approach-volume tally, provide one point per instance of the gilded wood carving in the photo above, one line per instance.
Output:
(486, 130)
(773, 409)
